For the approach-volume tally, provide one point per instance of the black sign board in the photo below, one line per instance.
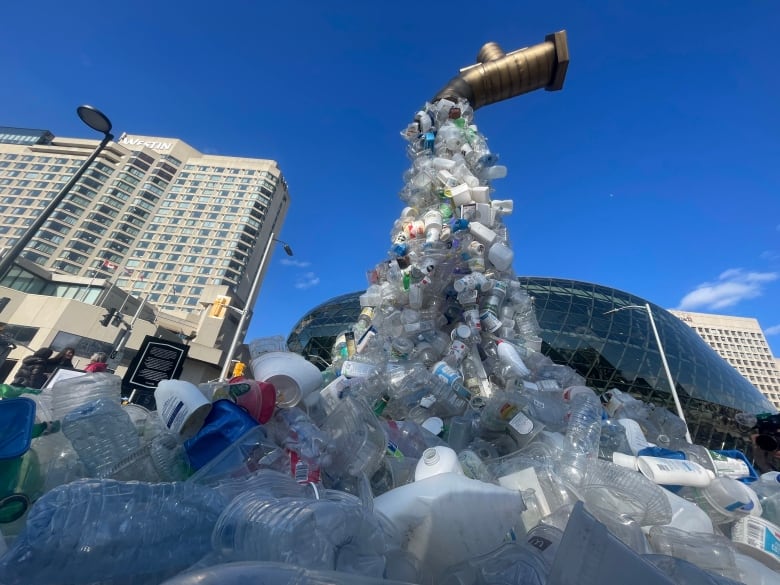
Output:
(156, 360)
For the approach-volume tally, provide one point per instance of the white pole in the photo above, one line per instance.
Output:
(250, 300)
(672, 386)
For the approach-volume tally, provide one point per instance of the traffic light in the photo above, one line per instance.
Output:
(3, 302)
(117, 320)
(219, 306)
(108, 317)
(238, 369)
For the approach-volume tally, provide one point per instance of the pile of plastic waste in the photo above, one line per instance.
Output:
(439, 446)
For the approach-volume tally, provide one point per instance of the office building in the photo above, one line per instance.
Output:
(610, 350)
(741, 342)
(152, 217)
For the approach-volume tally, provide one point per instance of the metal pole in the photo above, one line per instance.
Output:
(247, 308)
(672, 386)
(16, 250)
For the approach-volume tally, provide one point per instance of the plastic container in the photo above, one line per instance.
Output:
(686, 515)
(623, 491)
(357, 441)
(318, 534)
(451, 504)
(674, 471)
(76, 533)
(268, 573)
(710, 552)
(758, 538)
(590, 555)
(181, 406)
(725, 500)
(291, 375)
(102, 433)
(17, 416)
(436, 460)
(71, 393)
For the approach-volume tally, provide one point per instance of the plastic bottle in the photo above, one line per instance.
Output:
(102, 434)
(305, 442)
(318, 534)
(73, 392)
(451, 505)
(436, 460)
(510, 357)
(582, 435)
(357, 441)
(711, 552)
(490, 307)
(97, 531)
(768, 490)
(668, 471)
(270, 573)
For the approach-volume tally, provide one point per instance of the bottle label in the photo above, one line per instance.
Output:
(489, 321)
(352, 369)
(447, 373)
(301, 470)
(521, 424)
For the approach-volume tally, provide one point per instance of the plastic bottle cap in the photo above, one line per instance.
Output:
(430, 456)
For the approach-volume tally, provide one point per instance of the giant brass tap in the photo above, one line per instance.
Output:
(498, 76)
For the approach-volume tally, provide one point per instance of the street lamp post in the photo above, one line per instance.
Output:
(238, 336)
(670, 380)
(96, 120)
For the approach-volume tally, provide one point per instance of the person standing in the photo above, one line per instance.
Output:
(33, 371)
(97, 363)
(63, 359)
(6, 344)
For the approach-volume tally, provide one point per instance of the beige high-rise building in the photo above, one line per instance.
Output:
(152, 216)
(741, 342)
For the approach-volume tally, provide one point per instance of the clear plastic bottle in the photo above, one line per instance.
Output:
(305, 442)
(74, 392)
(357, 441)
(768, 490)
(317, 534)
(581, 441)
(99, 531)
(102, 434)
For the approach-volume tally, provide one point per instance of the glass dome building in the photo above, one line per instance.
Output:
(592, 329)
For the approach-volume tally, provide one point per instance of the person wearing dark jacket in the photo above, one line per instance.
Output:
(63, 359)
(33, 372)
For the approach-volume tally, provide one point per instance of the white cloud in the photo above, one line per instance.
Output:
(774, 330)
(732, 287)
(294, 262)
(307, 280)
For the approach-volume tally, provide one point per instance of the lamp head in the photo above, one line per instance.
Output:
(94, 118)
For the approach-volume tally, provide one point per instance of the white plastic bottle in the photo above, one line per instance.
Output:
(509, 356)
(674, 471)
(436, 460)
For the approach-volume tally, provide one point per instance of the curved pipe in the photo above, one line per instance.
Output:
(498, 76)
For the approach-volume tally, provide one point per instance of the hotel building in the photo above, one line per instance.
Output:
(152, 220)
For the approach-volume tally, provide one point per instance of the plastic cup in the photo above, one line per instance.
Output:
(182, 407)
(291, 375)
(724, 499)
(624, 491)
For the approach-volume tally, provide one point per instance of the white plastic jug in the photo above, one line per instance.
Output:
(450, 516)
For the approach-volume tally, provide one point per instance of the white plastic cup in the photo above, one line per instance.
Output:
(293, 376)
(181, 406)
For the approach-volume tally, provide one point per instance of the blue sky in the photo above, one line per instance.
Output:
(654, 170)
